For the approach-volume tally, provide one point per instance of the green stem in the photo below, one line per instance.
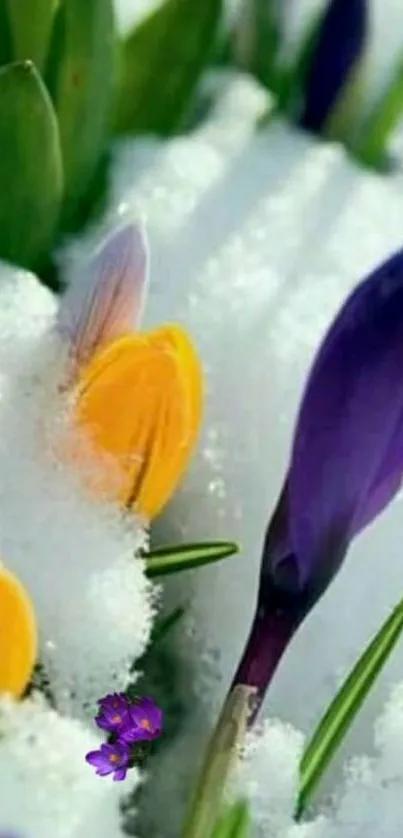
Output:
(210, 785)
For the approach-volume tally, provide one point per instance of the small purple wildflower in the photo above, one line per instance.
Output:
(113, 712)
(110, 759)
(144, 722)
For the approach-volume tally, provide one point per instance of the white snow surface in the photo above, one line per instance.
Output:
(76, 556)
(47, 790)
(368, 803)
(256, 239)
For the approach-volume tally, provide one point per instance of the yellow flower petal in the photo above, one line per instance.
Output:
(140, 400)
(18, 638)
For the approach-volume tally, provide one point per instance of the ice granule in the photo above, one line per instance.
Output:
(77, 556)
(47, 790)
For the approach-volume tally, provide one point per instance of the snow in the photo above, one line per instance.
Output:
(75, 555)
(256, 239)
(78, 558)
(367, 803)
(47, 789)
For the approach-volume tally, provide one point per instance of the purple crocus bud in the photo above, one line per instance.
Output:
(144, 722)
(113, 712)
(107, 300)
(339, 46)
(346, 465)
(110, 759)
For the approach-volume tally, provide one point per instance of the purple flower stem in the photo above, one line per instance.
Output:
(269, 637)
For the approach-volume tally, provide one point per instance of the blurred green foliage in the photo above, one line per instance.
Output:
(69, 85)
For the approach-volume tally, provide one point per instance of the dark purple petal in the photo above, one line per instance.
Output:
(119, 775)
(349, 437)
(346, 466)
(341, 42)
(386, 484)
(131, 734)
(100, 762)
(144, 722)
(114, 703)
(109, 758)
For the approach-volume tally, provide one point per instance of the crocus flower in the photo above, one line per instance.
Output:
(18, 635)
(346, 465)
(144, 722)
(113, 712)
(139, 394)
(339, 47)
(110, 759)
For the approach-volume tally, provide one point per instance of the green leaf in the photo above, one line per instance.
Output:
(31, 26)
(30, 166)
(292, 86)
(80, 76)
(164, 626)
(342, 711)
(384, 118)
(341, 123)
(234, 822)
(6, 53)
(256, 40)
(174, 559)
(161, 63)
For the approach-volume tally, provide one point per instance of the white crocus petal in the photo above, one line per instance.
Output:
(106, 300)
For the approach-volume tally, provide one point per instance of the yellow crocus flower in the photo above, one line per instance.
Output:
(139, 394)
(18, 635)
(140, 400)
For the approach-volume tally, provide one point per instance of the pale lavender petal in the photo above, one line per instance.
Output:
(107, 300)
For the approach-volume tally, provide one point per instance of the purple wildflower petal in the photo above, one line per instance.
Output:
(119, 775)
(109, 758)
(108, 300)
(114, 703)
(341, 42)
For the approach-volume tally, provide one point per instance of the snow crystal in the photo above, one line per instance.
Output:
(47, 789)
(268, 775)
(75, 555)
(368, 803)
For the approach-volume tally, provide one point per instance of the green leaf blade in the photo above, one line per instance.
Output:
(6, 51)
(80, 76)
(234, 822)
(167, 560)
(161, 63)
(31, 26)
(343, 709)
(384, 118)
(30, 167)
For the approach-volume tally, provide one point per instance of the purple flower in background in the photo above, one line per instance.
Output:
(113, 712)
(144, 722)
(339, 45)
(346, 465)
(110, 759)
